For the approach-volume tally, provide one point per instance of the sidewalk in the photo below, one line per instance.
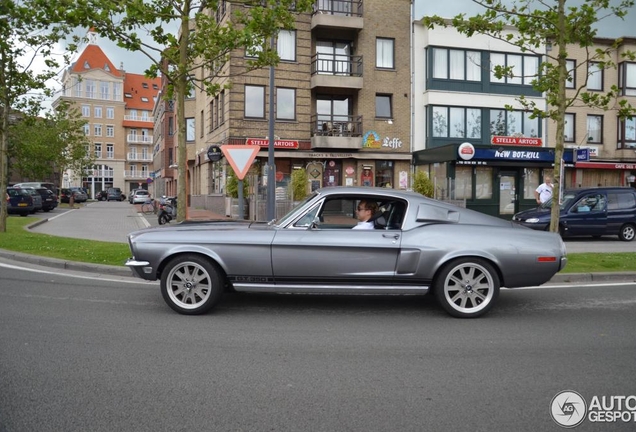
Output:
(113, 221)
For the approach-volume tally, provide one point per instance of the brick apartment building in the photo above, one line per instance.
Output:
(118, 107)
(342, 100)
(611, 142)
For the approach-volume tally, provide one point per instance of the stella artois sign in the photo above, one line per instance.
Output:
(279, 144)
(517, 140)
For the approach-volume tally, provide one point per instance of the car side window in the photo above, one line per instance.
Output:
(626, 200)
(308, 218)
(338, 213)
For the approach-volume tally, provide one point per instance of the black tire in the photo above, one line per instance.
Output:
(627, 232)
(191, 284)
(164, 219)
(467, 287)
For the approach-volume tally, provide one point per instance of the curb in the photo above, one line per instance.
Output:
(99, 269)
(593, 277)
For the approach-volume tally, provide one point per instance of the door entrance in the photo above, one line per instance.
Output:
(507, 193)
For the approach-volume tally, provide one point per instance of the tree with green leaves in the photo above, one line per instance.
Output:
(42, 146)
(193, 55)
(299, 184)
(563, 27)
(26, 36)
(422, 184)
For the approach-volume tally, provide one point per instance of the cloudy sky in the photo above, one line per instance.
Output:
(611, 27)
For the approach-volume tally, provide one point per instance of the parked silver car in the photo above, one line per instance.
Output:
(419, 245)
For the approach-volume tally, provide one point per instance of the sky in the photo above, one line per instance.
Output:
(610, 27)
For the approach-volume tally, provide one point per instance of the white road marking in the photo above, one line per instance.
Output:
(77, 276)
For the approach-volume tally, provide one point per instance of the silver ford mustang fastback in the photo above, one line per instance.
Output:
(416, 245)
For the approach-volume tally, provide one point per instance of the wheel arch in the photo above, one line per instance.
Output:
(206, 256)
(490, 261)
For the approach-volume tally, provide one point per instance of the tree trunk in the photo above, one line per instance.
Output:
(560, 120)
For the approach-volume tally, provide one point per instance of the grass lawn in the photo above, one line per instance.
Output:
(19, 239)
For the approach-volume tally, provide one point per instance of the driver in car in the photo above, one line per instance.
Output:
(364, 212)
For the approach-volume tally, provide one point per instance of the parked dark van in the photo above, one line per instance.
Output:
(588, 212)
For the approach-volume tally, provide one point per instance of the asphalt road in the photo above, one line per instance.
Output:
(82, 354)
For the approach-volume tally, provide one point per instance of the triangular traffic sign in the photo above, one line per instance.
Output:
(240, 157)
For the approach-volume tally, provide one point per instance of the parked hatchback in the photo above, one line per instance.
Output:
(140, 196)
(19, 201)
(588, 212)
(49, 199)
(80, 194)
(114, 194)
(37, 199)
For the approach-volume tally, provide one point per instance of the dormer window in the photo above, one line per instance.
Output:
(128, 95)
(155, 86)
(86, 65)
(144, 85)
(144, 99)
(106, 67)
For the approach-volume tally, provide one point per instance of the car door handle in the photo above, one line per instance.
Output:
(393, 236)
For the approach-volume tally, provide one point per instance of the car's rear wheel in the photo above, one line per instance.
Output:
(191, 285)
(467, 287)
(627, 232)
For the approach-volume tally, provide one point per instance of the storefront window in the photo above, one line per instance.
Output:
(438, 175)
(530, 182)
(384, 174)
(464, 182)
(483, 183)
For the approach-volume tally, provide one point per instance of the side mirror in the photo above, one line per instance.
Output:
(314, 223)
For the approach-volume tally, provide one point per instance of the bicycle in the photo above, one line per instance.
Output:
(149, 207)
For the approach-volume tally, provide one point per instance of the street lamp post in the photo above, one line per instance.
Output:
(271, 164)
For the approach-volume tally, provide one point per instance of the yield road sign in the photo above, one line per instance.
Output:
(240, 157)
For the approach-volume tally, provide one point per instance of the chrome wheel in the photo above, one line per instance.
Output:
(627, 233)
(467, 288)
(191, 285)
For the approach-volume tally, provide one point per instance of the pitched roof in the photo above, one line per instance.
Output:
(94, 58)
(139, 91)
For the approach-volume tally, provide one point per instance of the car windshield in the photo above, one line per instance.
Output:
(285, 219)
(567, 198)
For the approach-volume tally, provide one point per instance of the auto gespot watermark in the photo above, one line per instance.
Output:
(569, 409)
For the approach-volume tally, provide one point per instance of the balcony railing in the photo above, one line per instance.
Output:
(139, 157)
(336, 125)
(137, 118)
(137, 174)
(338, 7)
(336, 64)
(139, 139)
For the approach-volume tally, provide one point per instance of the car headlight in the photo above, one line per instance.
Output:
(533, 220)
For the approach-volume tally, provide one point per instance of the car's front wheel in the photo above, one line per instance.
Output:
(467, 287)
(191, 285)
(627, 232)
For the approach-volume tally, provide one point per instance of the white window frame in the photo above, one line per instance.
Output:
(384, 53)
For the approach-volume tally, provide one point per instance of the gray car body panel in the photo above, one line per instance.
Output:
(289, 256)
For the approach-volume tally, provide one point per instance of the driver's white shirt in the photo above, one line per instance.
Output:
(364, 225)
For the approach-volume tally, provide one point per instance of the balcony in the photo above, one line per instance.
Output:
(136, 174)
(336, 132)
(336, 71)
(138, 157)
(139, 139)
(341, 14)
(139, 119)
